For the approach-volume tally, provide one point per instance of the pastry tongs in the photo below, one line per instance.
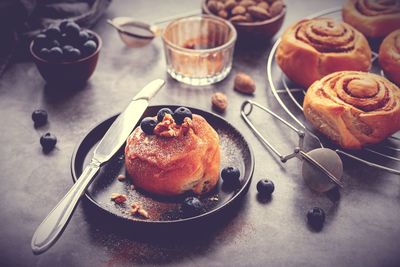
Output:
(322, 167)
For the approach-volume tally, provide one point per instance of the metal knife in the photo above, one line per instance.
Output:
(52, 227)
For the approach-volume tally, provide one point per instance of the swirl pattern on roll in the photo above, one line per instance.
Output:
(378, 7)
(374, 18)
(354, 108)
(326, 35)
(389, 56)
(313, 48)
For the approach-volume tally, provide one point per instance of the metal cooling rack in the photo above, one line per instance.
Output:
(384, 156)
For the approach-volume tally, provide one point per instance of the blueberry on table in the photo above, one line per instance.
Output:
(162, 112)
(72, 54)
(39, 117)
(89, 47)
(53, 32)
(55, 54)
(316, 218)
(72, 30)
(265, 187)
(48, 142)
(230, 175)
(181, 113)
(44, 53)
(192, 206)
(147, 125)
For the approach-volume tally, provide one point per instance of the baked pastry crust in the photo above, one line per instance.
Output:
(374, 18)
(173, 165)
(311, 49)
(353, 108)
(389, 57)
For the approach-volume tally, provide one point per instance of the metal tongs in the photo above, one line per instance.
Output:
(318, 160)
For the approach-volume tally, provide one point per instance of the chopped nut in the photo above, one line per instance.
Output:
(134, 208)
(132, 187)
(244, 84)
(143, 213)
(121, 177)
(219, 101)
(258, 13)
(118, 198)
(168, 127)
(276, 8)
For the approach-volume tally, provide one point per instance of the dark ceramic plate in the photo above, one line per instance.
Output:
(235, 151)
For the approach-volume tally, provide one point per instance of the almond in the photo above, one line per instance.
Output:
(263, 5)
(223, 14)
(276, 8)
(229, 5)
(219, 101)
(238, 18)
(238, 10)
(244, 84)
(258, 13)
(247, 3)
(214, 6)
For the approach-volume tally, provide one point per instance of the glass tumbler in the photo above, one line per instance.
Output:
(199, 49)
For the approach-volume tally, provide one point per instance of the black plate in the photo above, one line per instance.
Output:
(235, 151)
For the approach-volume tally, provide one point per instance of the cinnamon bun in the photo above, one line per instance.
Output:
(374, 18)
(389, 57)
(311, 49)
(353, 108)
(175, 158)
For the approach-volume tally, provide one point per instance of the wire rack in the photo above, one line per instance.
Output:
(384, 156)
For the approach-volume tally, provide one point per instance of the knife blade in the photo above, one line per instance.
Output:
(56, 221)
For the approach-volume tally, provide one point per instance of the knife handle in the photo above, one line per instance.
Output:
(54, 224)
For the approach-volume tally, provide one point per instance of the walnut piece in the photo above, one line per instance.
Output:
(118, 198)
(168, 127)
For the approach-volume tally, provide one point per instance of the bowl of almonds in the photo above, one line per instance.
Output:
(254, 20)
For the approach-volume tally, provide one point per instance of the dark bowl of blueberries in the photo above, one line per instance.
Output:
(65, 53)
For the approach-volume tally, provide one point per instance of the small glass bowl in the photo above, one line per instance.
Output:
(199, 49)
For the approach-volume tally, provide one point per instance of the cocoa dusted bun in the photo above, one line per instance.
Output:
(173, 153)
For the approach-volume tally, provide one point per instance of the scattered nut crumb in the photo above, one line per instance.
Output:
(132, 187)
(214, 198)
(143, 212)
(121, 177)
(244, 84)
(118, 198)
(219, 101)
(134, 208)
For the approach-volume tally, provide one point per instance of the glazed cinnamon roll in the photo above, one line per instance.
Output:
(374, 18)
(311, 49)
(353, 108)
(389, 57)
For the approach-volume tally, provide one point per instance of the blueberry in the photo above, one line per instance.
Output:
(63, 24)
(84, 37)
(162, 112)
(72, 30)
(72, 54)
(265, 187)
(316, 218)
(148, 124)
(181, 113)
(89, 47)
(55, 54)
(230, 175)
(54, 43)
(40, 41)
(192, 206)
(67, 48)
(64, 40)
(44, 53)
(53, 32)
(39, 116)
(48, 142)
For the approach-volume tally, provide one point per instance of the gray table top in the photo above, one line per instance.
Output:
(361, 229)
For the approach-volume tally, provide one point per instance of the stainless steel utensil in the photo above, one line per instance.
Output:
(54, 224)
(322, 167)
